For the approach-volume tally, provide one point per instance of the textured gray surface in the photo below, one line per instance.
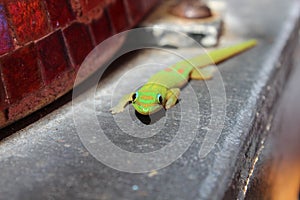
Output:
(47, 160)
(277, 172)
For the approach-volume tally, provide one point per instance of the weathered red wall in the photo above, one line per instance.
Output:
(43, 43)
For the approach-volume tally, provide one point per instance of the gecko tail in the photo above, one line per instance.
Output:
(219, 55)
(223, 54)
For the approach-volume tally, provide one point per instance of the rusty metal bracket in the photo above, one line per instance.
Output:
(203, 23)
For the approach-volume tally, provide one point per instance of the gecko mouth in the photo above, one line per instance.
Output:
(147, 110)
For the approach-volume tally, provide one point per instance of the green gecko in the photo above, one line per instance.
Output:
(163, 88)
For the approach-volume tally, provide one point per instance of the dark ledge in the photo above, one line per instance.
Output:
(47, 160)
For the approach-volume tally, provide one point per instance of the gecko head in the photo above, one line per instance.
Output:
(147, 103)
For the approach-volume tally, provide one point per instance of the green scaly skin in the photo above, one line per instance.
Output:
(163, 88)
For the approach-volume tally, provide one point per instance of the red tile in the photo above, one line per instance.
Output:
(60, 12)
(53, 56)
(28, 18)
(148, 4)
(101, 28)
(5, 38)
(118, 16)
(3, 119)
(3, 98)
(59, 86)
(21, 73)
(78, 41)
(37, 100)
(136, 10)
(88, 5)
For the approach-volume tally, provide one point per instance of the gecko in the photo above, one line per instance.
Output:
(163, 88)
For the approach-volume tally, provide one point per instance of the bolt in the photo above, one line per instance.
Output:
(191, 9)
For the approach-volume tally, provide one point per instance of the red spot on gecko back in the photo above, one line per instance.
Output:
(168, 70)
(180, 71)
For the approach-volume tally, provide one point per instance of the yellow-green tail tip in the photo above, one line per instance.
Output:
(252, 42)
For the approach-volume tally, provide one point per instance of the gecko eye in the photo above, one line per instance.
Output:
(134, 96)
(159, 98)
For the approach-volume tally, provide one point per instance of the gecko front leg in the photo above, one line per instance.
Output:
(172, 97)
(122, 104)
